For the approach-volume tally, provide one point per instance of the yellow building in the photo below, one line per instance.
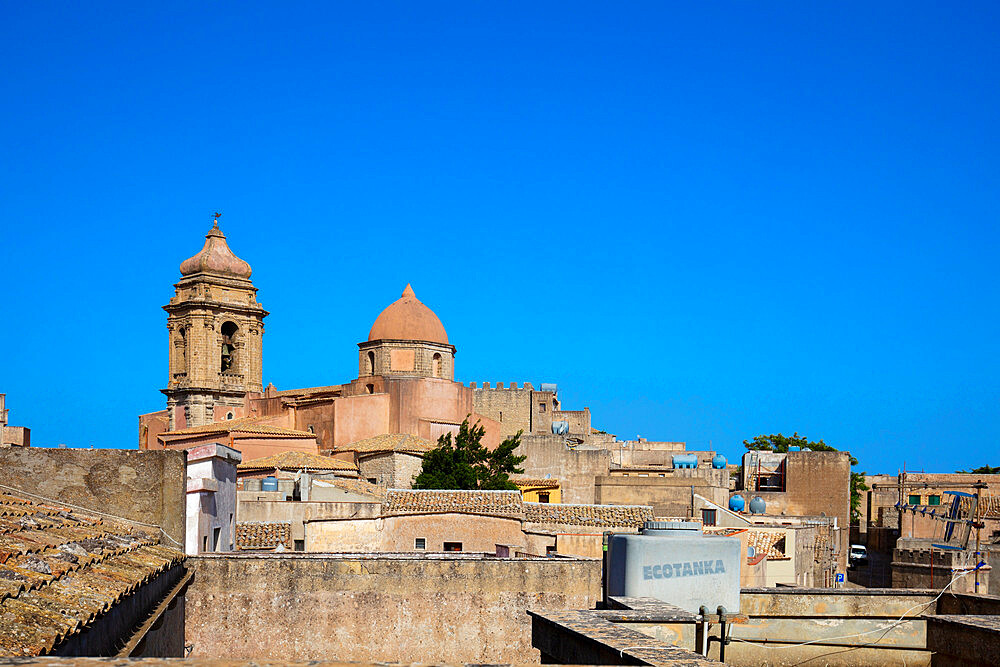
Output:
(539, 490)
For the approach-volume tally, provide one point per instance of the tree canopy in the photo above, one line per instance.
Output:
(983, 470)
(781, 443)
(465, 463)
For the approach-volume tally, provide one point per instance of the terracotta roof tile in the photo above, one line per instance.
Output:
(390, 442)
(524, 483)
(495, 503)
(255, 536)
(60, 568)
(294, 460)
(588, 515)
(250, 425)
(766, 542)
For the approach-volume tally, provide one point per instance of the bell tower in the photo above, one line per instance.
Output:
(216, 327)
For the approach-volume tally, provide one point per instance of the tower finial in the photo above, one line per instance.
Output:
(215, 219)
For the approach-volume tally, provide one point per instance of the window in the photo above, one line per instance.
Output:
(452, 546)
(216, 533)
(373, 480)
(437, 364)
(541, 407)
(543, 497)
(550, 550)
(914, 499)
(310, 428)
(230, 415)
(934, 500)
(370, 388)
(708, 517)
(204, 544)
(299, 545)
(228, 362)
(420, 543)
(371, 364)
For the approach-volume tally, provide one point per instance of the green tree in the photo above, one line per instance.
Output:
(464, 463)
(780, 443)
(983, 470)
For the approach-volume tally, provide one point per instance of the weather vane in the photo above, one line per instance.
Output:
(216, 216)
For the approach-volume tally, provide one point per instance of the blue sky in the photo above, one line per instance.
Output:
(704, 221)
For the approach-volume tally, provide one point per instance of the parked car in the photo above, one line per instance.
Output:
(858, 555)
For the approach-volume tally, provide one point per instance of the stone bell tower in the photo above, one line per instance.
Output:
(216, 327)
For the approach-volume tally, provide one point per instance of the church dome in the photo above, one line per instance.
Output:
(408, 319)
(216, 257)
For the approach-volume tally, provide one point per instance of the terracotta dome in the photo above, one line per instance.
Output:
(408, 319)
(216, 257)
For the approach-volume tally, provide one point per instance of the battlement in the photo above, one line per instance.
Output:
(499, 385)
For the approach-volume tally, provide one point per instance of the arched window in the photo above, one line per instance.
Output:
(229, 415)
(228, 361)
(310, 428)
(370, 388)
(371, 363)
(181, 350)
(437, 364)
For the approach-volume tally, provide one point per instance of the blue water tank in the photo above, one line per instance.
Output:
(560, 428)
(269, 484)
(736, 503)
(757, 505)
(793, 448)
(719, 462)
(685, 460)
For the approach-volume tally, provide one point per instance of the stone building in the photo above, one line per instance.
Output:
(881, 522)
(211, 499)
(215, 330)
(12, 436)
(803, 484)
(405, 384)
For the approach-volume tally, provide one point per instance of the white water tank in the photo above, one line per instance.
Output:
(674, 561)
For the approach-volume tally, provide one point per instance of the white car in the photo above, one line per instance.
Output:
(858, 555)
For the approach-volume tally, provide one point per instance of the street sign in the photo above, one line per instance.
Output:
(840, 577)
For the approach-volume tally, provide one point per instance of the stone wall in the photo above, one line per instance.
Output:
(510, 407)
(455, 608)
(394, 470)
(143, 486)
(916, 565)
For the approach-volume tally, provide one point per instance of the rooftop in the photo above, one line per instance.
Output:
(60, 570)
(495, 503)
(249, 425)
(390, 442)
(295, 460)
(588, 515)
(408, 319)
(263, 535)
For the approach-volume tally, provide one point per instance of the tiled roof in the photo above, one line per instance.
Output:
(242, 425)
(390, 442)
(766, 542)
(60, 569)
(524, 483)
(496, 503)
(989, 507)
(263, 535)
(587, 515)
(294, 460)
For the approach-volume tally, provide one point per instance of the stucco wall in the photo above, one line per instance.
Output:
(434, 608)
(574, 468)
(670, 495)
(146, 486)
